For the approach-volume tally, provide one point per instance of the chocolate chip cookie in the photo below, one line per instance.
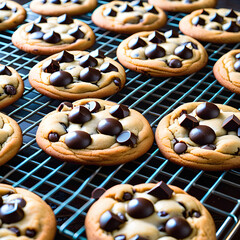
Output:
(148, 212)
(227, 70)
(94, 132)
(76, 74)
(59, 7)
(185, 6)
(201, 135)
(162, 54)
(212, 25)
(11, 14)
(52, 35)
(24, 215)
(10, 138)
(129, 17)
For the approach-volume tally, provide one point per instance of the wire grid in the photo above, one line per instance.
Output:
(67, 187)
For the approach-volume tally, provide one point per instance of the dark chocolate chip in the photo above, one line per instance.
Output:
(137, 3)
(156, 37)
(76, 1)
(64, 19)
(237, 66)
(154, 51)
(178, 227)
(187, 1)
(90, 74)
(122, 217)
(162, 214)
(209, 147)
(11, 213)
(4, 70)
(15, 230)
(238, 132)
(109, 12)
(127, 138)
(10, 90)
(231, 123)
(93, 106)
(53, 137)
(97, 54)
(174, 141)
(1, 202)
(52, 37)
(41, 19)
(108, 67)
(63, 125)
(204, 12)
(32, 28)
(61, 106)
(51, 66)
(216, 18)
(97, 193)
(80, 114)
(120, 237)
(137, 237)
(61, 79)
(180, 147)
(198, 21)
(3, 6)
(136, 43)
(237, 56)
(202, 135)
(110, 221)
(171, 34)
(183, 52)
(188, 121)
(30, 233)
(231, 27)
(55, 1)
(119, 111)
(175, 63)
(88, 61)
(109, 126)
(207, 110)
(36, 35)
(127, 196)
(43, 1)
(231, 14)
(65, 56)
(117, 82)
(196, 214)
(65, 1)
(161, 227)
(76, 32)
(151, 9)
(161, 191)
(78, 139)
(125, 8)
(192, 44)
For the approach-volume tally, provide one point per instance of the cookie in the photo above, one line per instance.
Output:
(76, 74)
(11, 14)
(52, 35)
(201, 135)
(24, 215)
(227, 70)
(162, 54)
(94, 132)
(185, 6)
(148, 212)
(212, 25)
(10, 138)
(129, 17)
(11, 86)
(59, 7)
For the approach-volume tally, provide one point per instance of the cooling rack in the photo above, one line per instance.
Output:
(67, 187)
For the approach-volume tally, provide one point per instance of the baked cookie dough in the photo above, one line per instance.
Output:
(59, 7)
(11, 14)
(94, 132)
(185, 6)
(148, 212)
(76, 74)
(11, 86)
(52, 35)
(227, 70)
(162, 54)
(212, 25)
(129, 17)
(201, 135)
(24, 215)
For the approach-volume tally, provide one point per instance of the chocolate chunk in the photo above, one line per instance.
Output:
(161, 191)
(10, 90)
(93, 106)
(204, 12)
(125, 8)
(52, 37)
(137, 237)
(15, 230)
(1, 202)
(64, 19)
(97, 54)
(120, 237)
(30, 233)
(80, 114)
(209, 147)
(109, 12)
(237, 56)
(117, 82)
(202, 135)
(175, 63)
(198, 21)
(61, 79)
(136, 43)
(76, 32)
(127, 138)
(110, 221)
(127, 196)
(65, 1)
(171, 34)
(216, 18)
(140, 208)
(195, 214)
(122, 217)
(183, 112)
(154, 51)
(11, 213)
(137, 3)
(237, 66)
(162, 214)
(63, 105)
(183, 52)
(188, 121)
(3, 6)
(231, 14)
(161, 227)
(90, 74)
(180, 147)
(109, 126)
(207, 110)
(178, 227)
(151, 9)
(156, 37)
(97, 193)
(108, 67)
(43, 1)
(55, 1)
(88, 61)
(53, 137)
(119, 111)
(231, 27)
(65, 56)
(187, 1)
(231, 123)
(4, 70)
(76, 1)
(238, 132)
(32, 28)
(51, 66)
(78, 139)
(41, 19)
(193, 45)
(36, 35)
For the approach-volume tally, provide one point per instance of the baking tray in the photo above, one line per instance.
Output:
(67, 187)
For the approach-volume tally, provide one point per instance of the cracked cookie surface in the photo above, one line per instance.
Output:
(201, 135)
(148, 212)
(94, 132)
(24, 215)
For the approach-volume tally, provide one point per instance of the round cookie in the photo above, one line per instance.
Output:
(10, 138)
(11, 86)
(94, 132)
(24, 215)
(162, 55)
(76, 74)
(52, 35)
(59, 7)
(11, 14)
(201, 135)
(212, 25)
(129, 17)
(148, 212)
(227, 70)
(185, 6)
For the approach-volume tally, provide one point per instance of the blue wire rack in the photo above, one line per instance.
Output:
(67, 187)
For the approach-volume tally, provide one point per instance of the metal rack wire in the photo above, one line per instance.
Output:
(67, 187)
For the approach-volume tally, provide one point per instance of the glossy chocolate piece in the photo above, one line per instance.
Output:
(78, 139)
(109, 12)
(3, 6)
(119, 111)
(110, 126)
(127, 196)
(1, 201)
(216, 18)
(65, 56)
(204, 12)
(120, 237)
(151, 9)
(175, 63)
(171, 34)
(137, 3)
(93, 106)
(43, 1)
(136, 43)
(108, 67)
(97, 54)
(63, 104)
(127, 138)
(207, 110)
(76, 1)
(231, 123)
(198, 21)
(76, 32)
(183, 52)
(237, 56)
(137, 237)
(60, 79)
(32, 28)
(117, 82)
(37, 35)
(162, 214)
(193, 45)
(231, 27)
(180, 147)
(10, 90)
(4, 70)
(55, 1)
(80, 115)
(161, 191)
(97, 193)
(202, 135)
(52, 37)
(187, 1)
(90, 74)
(11, 213)
(88, 61)
(154, 51)
(156, 37)
(41, 19)
(30, 233)
(238, 132)
(125, 8)
(188, 121)
(231, 14)
(64, 19)
(53, 137)
(51, 66)
(15, 230)
(237, 66)
(209, 147)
